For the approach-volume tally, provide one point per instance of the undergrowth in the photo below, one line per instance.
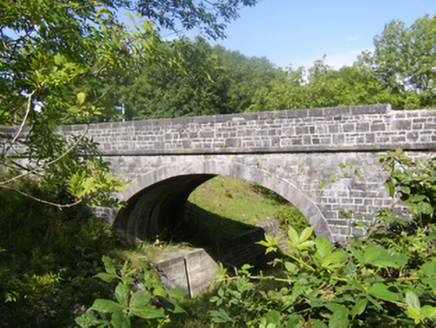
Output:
(49, 257)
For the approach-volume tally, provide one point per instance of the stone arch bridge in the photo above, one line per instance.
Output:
(290, 152)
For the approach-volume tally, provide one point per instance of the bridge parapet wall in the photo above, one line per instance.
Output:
(371, 128)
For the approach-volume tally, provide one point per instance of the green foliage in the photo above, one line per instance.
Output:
(48, 260)
(403, 61)
(140, 300)
(288, 215)
(207, 80)
(210, 16)
(385, 278)
(399, 72)
(48, 49)
(60, 62)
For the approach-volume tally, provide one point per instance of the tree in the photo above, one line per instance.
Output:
(400, 71)
(323, 86)
(162, 91)
(405, 59)
(210, 16)
(54, 56)
(208, 80)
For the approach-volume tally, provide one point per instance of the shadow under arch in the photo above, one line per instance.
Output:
(156, 200)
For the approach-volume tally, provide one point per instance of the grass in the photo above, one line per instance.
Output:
(232, 206)
(236, 199)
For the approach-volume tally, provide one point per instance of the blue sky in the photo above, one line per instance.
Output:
(298, 32)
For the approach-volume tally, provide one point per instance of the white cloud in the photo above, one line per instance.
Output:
(340, 59)
(336, 59)
(354, 38)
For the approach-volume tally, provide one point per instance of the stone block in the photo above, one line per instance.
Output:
(378, 127)
(190, 270)
(402, 125)
(349, 127)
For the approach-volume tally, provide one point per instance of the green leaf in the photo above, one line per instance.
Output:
(81, 98)
(306, 244)
(291, 267)
(356, 285)
(127, 280)
(425, 208)
(140, 299)
(87, 320)
(374, 302)
(122, 294)
(334, 258)
(293, 236)
(306, 234)
(428, 311)
(177, 293)
(120, 320)
(74, 109)
(390, 187)
(412, 300)
(107, 306)
(358, 308)
(358, 254)
(59, 59)
(130, 16)
(148, 312)
(415, 314)
(294, 321)
(428, 269)
(382, 291)
(323, 246)
(431, 282)
(380, 257)
(315, 323)
(172, 307)
(273, 317)
(221, 316)
(109, 266)
(372, 254)
(339, 318)
(106, 276)
(416, 198)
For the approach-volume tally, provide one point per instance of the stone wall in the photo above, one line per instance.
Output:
(372, 127)
(290, 152)
(194, 270)
(242, 249)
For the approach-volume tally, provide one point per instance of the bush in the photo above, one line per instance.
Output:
(386, 278)
(48, 260)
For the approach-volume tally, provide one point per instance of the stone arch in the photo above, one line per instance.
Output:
(156, 199)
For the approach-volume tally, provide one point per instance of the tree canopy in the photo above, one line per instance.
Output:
(400, 71)
(214, 80)
(210, 16)
(60, 62)
(208, 80)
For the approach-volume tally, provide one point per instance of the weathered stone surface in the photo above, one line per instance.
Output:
(190, 270)
(290, 152)
(258, 132)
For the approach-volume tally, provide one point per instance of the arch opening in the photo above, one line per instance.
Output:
(157, 199)
(156, 207)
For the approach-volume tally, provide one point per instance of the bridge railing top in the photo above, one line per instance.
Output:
(281, 114)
